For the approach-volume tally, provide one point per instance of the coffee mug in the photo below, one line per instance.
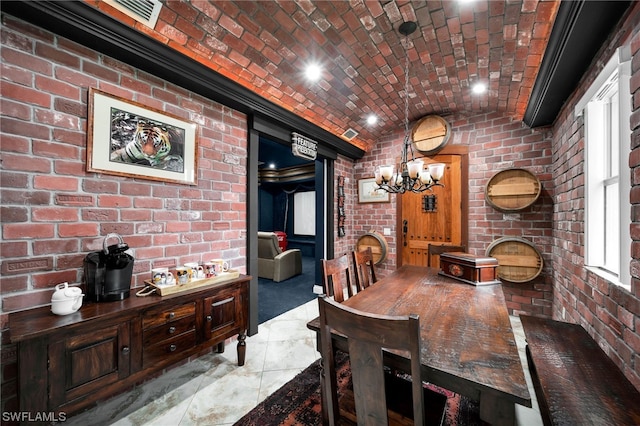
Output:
(159, 275)
(220, 265)
(170, 279)
(209, 269)
(193, 270)
(200, 272)
(182, 274)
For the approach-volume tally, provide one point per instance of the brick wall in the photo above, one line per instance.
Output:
(54, 212)
(498, 143)
(608, 312)
(368, 217)
(495, 143)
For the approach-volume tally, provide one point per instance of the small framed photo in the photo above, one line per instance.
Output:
(368, 192)
(126, 138)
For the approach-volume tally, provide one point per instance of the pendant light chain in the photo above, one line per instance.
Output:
(406, 98)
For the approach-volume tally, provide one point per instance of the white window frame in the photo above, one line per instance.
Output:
(601, 160)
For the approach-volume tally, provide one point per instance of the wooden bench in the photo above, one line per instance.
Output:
(576, 383)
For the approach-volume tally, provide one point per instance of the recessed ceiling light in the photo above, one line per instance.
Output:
(272, 165)
(479, 88)
(313, 72)
(372, 119)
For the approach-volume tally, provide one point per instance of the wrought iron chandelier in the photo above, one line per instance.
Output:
(410, 174)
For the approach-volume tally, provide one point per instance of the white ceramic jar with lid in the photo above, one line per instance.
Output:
(66, 300)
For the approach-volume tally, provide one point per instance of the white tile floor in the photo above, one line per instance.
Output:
(213, 390)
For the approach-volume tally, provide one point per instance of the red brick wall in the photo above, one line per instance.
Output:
(45, 81)
(368, 217)
(498, 143)
(495, 143)
(608, 312)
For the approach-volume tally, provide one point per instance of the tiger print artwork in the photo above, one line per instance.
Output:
(150, 143)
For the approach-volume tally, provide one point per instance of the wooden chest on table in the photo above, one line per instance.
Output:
(469, 269)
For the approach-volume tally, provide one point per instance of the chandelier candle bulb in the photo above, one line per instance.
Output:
(415, 167)
(425, 177)
(436, 171)
(386, 172)
(378, 176)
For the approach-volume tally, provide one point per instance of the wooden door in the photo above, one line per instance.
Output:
(419, 228)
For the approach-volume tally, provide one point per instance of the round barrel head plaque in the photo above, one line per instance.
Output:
(430, 134)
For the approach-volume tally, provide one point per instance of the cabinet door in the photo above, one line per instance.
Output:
(225, 314)
(84, 363)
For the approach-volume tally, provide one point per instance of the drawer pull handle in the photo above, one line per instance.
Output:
(172, 348)
(209, 318)
(172, 330)
(125, 350)
(222, 302)
(171, 315)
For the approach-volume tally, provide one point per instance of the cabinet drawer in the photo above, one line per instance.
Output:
(156, 317)
(168, 348)
(169, 330)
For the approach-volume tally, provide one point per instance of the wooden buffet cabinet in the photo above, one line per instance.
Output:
(67, 363)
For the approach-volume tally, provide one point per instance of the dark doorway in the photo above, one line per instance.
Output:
(290, 202)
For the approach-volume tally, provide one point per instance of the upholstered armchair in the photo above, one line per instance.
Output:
(275, 264)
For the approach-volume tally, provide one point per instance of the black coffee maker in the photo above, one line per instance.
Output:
(108, 272)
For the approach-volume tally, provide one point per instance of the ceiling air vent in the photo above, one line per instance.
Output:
(145, 11)
(349, 134)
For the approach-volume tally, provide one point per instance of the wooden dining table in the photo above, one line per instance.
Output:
(467, 343)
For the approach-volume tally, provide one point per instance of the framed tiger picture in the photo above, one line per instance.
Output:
(126, 138)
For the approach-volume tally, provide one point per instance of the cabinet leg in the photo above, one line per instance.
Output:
(220, 347)
(242, 348)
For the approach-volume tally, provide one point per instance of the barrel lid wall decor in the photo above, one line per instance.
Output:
(430, 134)
(512, 190)
(378, 244)
(519, 260)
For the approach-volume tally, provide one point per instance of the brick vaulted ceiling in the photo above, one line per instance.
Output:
(266, 45)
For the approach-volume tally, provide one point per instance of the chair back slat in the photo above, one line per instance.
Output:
(336, 277)
(365, 271)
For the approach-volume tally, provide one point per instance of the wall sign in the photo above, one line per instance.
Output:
(303, 147)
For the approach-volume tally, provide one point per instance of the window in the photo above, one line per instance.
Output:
(304, 213)
(607, 110)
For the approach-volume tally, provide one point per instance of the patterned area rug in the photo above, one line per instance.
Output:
(298, 402)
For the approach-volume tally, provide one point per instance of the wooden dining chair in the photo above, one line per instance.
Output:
(336, 277)
(438, 249)
(365, 271)
(367, 334)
